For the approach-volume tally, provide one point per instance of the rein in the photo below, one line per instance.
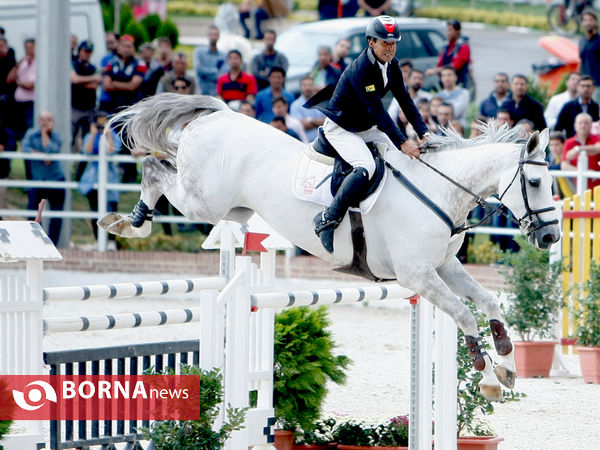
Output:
(526, 222)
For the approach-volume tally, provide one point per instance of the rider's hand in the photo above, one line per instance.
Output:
(411, 149)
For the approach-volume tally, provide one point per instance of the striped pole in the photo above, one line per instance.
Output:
(130, 290)
(122, 320)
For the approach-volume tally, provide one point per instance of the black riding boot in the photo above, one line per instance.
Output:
(327, 221)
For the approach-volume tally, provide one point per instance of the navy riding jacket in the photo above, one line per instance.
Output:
(355, 102)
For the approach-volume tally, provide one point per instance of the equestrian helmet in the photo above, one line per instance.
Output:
(384, 28)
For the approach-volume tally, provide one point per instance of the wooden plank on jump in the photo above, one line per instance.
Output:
(581, 214)
(577, 258)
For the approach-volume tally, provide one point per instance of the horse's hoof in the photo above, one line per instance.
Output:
(108, 220)
(115, 223)
(505, 376)
(491, 393)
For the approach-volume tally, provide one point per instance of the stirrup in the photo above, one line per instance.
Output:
(322, 223)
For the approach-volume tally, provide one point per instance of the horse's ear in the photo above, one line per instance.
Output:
(544, 139)
(533, 142)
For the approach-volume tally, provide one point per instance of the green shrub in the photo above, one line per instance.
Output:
(169, 30)
(485, 252)
(125, 17)
(138, 32)
(586, 316)
(304, 363)
(538, 91)
(152, 23)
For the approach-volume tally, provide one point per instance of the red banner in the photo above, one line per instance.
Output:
(99, 397)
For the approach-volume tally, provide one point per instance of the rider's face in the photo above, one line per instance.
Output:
(385, 51)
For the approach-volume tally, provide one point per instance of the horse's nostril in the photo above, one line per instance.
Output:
(548, 238)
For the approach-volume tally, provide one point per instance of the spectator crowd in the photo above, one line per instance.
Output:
(257, 88)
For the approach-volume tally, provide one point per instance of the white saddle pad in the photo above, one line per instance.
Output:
(309, 173)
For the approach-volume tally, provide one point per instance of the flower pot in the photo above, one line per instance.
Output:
(478, 442)
(589, 358)
(314, 446)
(367, 447)
(284, 440)
(534, 358)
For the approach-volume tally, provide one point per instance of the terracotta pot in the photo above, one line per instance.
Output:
(314, 446)
(366, 447)
(478, 442)
(284, 440)
(534, 358)
(589, 358)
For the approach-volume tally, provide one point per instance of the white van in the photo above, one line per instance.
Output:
(18, 18)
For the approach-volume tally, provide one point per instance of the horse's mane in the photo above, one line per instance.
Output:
(493, 132)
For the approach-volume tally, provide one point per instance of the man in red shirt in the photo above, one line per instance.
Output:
(456, 53)
(583, 140)
(236, 85)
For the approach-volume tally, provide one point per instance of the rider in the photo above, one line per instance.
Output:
(355, 115)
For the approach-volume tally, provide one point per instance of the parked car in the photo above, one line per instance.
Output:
(422, 40)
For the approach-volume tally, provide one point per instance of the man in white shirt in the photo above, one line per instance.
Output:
(454, 94)
(311, 119)
(558, 101)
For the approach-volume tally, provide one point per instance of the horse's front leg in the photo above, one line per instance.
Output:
(427, 282)
(464, 285)
(156, 179)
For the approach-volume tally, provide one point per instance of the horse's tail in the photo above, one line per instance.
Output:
(151, 123)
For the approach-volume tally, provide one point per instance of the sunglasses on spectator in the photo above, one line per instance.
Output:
(180, 88)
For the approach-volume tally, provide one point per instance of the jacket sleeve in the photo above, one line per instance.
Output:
(406, 103)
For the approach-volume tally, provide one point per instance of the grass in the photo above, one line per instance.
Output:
(522, 8)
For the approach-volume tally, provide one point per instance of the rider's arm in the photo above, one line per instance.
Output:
(406, 103)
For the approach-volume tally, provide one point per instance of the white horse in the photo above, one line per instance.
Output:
(227, 165)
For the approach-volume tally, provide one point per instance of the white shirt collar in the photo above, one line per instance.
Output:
(383, 67)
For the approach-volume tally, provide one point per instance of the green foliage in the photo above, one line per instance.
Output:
(588, 331)
(485, 252)
(502, 18)
(198, 434)
(470, 403)
(151, 23)
(160, 242)
(138, 32)
(538, 91)
(108, 15)
(393, 433)
(169, 30)
(125, 17)
(304, 362)
(535, 291)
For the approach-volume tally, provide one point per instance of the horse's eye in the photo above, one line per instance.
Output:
(535, 182)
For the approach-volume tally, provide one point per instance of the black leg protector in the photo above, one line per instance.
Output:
(327, 221)
(140, 214)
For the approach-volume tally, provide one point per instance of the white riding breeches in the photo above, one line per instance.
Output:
(352, 147)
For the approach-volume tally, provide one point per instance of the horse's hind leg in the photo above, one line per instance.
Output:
(464, 285)
(156, 179)
(427, 282)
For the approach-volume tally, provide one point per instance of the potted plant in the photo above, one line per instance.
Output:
(472, 431)
(5, 395)
(588, 329)
(304, 363)
(535, 297)
(391, 435)
(320, 437)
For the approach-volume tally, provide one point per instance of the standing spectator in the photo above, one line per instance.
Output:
(280, 108)
(84, 82)
(582, 140)
(23, 74)
(45, 140)
(456, 53)
(500, 97)
(324, 73)
(341, 60)
(454, 94)
(414, 86)
(91, 146)
(279, 123)
(589, 47)
(247, 109)
(7, 62)
(112, 44)
(260, 15)
(433, 107)
(154, 71)
(264, 98)
(476, 123)
(328, 9)
(445, 115)
(261, 64)
(209, 63)
(8, 142)
(236, 84)
(583, 103)
(557, 101)
(406, 66)
(311, 119)
(525, 106)
(374, 8)
(179, 71)
(165, 53)
(506, 116)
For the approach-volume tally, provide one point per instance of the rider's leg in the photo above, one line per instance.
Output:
(355, 152)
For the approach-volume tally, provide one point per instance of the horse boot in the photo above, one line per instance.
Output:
(505, 372)
(327, 221)
(475, 346)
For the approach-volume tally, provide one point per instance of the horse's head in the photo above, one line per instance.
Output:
(527, 191)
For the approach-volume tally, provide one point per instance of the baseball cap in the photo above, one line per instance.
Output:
(86, 45)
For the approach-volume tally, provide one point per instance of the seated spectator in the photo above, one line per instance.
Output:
(501, 97)
(154, 71)
(328, 9)
(424, 108)
(434, 104)
(247, 108)
(280, 108)
(262, 63)
(340, 59)
(454, 94)
(557, 101)
(179, 71)
(458, 127)
(476, 125)
(91, 146)
(375, 8)
(247, 9)
(264, 98)
(182, 85)
(445, 116)
(23, 74)
(8, 142)
(45, 140)
(583, 103)
(562, 186)
(324, 73)
(209, 63)
(279, 123)
(526, 107)
(311, 118)
(236, 84)
(505, 115)
(582, 140)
